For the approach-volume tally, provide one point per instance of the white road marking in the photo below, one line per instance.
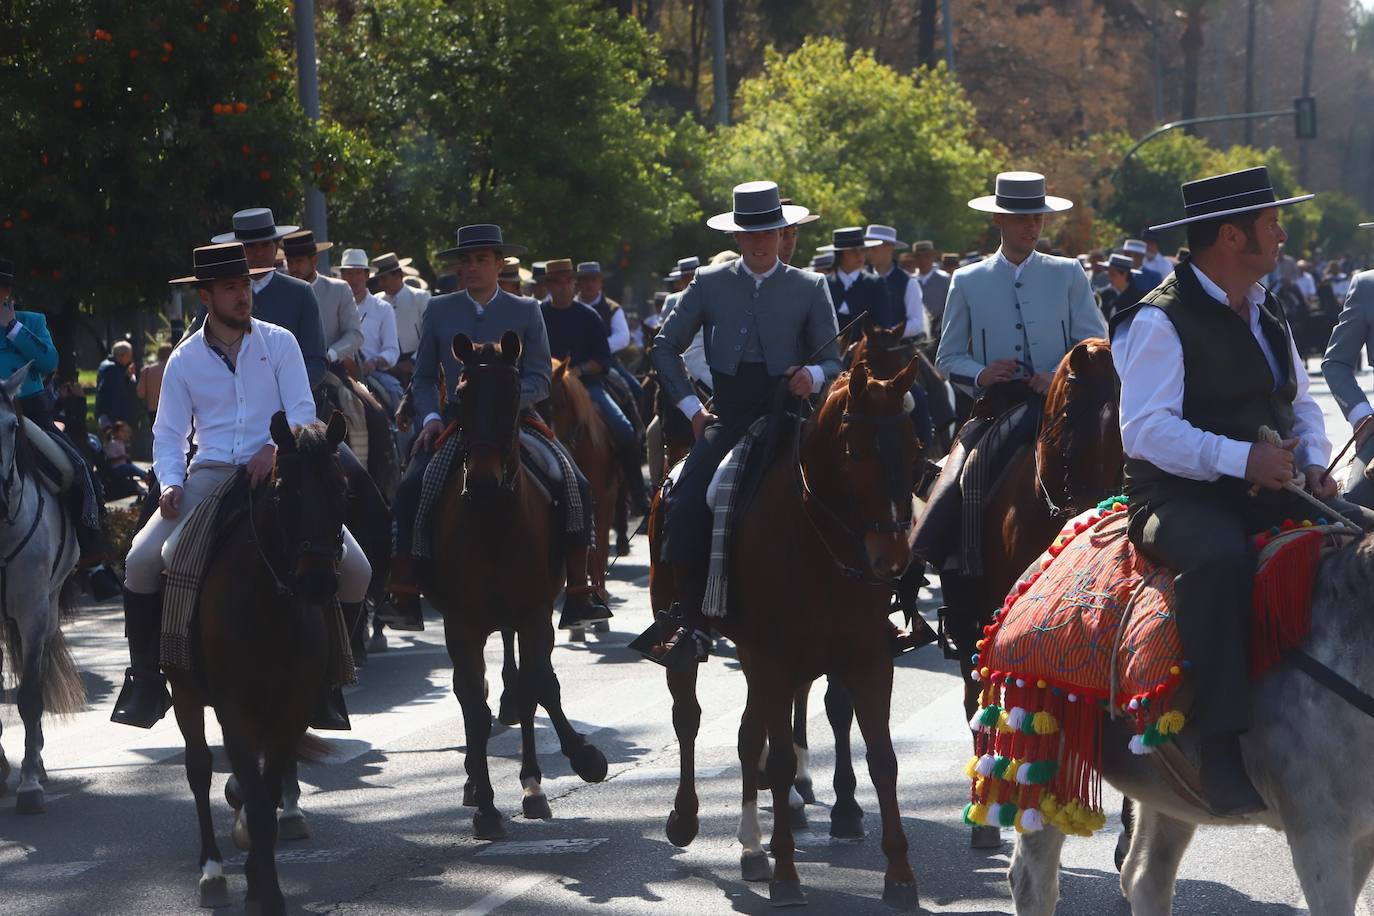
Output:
(541, 847)
(504, 894)
(667, 774)
(298, 856)
(34, 874)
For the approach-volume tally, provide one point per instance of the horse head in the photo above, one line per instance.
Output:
(309, 496)
(1079, 455)
(489, 412)
(868, 417)
(883, 349)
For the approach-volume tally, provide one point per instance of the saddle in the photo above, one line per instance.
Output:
(56, 470)
(337, 393)
(1091, 630)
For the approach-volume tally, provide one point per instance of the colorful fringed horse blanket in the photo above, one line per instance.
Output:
(1090, 629)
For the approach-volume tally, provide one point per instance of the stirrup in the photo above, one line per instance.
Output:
(685, 649)
(142, 701)
(920, 634)
(657, 633)
(578, 615)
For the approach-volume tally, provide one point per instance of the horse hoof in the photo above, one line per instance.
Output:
(292, 828)
(786, 893)
(754, 866)
(536, 808)
(797, 818)
(600, 626)
(804, 789)
(682, 829)
(986, 838)
(489, 825)
(508, 715)
(214, 892)
(240, 832)
(30, 802)
(847, 822)
(901, 896)
(577, 635)
(469, 796)
(588, 763)
(232, 795)
(376, 643)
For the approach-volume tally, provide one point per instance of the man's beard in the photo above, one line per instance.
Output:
(233, 321)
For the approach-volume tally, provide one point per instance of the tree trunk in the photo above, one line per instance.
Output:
(1250, 16)
(1304, 145)
(925, 34)
(1191, 44)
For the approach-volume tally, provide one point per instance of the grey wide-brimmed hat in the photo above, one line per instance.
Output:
(221, 262)
(1020, 193)
(479, 236)
(387, 263)
(849, 237)
(591, 269)
(758, 208)
(255, 224)
(823, 260)
(1121, 261)
(1228, 195)
(880, 234)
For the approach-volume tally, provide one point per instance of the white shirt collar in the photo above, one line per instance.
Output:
(1015, 268)
(261, 282)
(847, 279)
(759, 278)
(1254, 297)
(481, 309)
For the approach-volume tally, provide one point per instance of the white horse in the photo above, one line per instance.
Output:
(38, 552)
(1305, 755)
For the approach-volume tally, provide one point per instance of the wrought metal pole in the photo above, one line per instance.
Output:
(307, 74)
(720, 81)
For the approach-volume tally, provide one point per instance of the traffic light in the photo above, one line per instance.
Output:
(1305, 117)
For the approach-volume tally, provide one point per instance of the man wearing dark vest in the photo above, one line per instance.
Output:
(277, 297)
(904, 294)
(1206, 359)
(854, 289)
(934, 284)
(1123, 285)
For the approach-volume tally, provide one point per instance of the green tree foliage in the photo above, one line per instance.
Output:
(859, 142)
(134, 130)
(527, 113)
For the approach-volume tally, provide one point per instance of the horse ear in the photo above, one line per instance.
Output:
(907, 377)
(1079, 361)
(560, 366)
(510, 347)
(858, 380)
(337, 430)
(898, 329)
(868, 325)
(281, 432)
(462, 348)
(16, 381)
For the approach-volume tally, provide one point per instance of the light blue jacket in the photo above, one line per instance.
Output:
(28, 341)
(991, 314)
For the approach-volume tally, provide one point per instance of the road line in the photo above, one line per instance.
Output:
(504, 894)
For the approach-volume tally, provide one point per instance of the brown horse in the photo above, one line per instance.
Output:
(262, 644)
(496, 568)
(825, 531)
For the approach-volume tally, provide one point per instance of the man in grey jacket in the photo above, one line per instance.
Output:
(750, 355)
(1352, 336)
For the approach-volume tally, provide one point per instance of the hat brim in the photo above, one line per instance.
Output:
(868, 243)
(504, 248)
(593, 273)
(897, 244)
(232, 237)
(989, 204)
(1225, 213)
(253, 274)
(792, 215)
(320, 247)
(1366, 226)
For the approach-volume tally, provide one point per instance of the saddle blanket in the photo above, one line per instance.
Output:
(1091, 630)
(55, 469)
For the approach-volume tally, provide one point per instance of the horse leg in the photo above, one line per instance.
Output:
(1034, 873)
(511, 701)
(776, 702)
(753, 861)
(1123, 840)
(525, 690)
(4, 763)
(803, 786)
(291, 823)
(465, 650)
(536, 649)
(1326, 866)
(190, 714)
(872, 697)
(682, 821)
(30, 798)
(1363, 862)
(1158, 843)
(259, 811)
(846, 817)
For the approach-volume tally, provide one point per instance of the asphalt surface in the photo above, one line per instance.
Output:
(390, 835)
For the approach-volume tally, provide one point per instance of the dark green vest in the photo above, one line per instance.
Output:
(1229, 388)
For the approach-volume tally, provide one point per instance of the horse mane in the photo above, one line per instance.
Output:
(583, 410)
(1071, 407)
(23, 448)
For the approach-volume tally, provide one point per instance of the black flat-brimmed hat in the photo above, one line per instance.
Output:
(1228, 195)
(1120, 261)
(221, 262)
(479, 236)
(6, 272)
(255, 224)
(386, 263)
(849, 237)
(1020, 193)
(302, 244)
(758, 208)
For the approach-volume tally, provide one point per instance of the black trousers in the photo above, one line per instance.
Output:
(739, 400)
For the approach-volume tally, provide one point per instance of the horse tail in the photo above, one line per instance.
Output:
(311, 748)
(63, 691)
(69, 599)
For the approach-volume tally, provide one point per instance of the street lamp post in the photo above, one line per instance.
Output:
(307, 74)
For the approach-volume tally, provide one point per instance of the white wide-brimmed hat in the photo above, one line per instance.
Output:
(879, 233)
(1020, 193)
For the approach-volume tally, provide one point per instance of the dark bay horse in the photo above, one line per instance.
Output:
(496, 567)
(262, 645)
(812, 564)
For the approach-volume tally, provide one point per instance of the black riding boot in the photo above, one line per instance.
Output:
(582, 604)
(144, 698)
(330, 712)
(404, 612)
(631, 458)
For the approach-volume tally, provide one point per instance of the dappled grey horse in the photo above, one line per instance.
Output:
(37, 555)
(1306, 756)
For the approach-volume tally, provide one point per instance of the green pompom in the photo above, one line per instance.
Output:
(1041, 772)
(968, 820)
(990, 715)
(999, 766)
(1006, 815)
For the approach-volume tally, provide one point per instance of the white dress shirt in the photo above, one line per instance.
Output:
(846, 280)
(260, 283)
(1305, 284)
(1159, 264)
(379, 331)
(1015, 268)
(915, 306)
(1149, 359)
(229, 410)
(410, 305)
(618, 337)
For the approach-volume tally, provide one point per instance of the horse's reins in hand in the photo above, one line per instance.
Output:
(817, 352)
(1295, 486)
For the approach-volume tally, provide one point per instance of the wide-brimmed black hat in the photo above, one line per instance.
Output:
(849, 237)
(1227, 195)
(255, 224)
(302, 244)
(6, 272)
(221, 262)
(481, 235)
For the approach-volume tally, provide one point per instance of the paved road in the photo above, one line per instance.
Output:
(390, 834)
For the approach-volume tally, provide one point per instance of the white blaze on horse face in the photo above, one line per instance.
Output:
(750, 834)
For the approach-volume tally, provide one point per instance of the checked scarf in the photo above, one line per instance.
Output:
(716, 602)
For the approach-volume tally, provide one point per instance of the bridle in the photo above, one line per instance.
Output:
(329, 548)
(486, 404)
(1075, 412)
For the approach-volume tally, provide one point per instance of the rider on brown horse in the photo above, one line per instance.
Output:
(763, 319)
(483, 312)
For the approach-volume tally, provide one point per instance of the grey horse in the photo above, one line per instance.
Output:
(38, 553)
(1304, 756)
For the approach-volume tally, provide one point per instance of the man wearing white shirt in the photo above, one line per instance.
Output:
(1154, 259)
(903, 291)
(380, 349)
(1206, 360)
(410, 305)
(219, 390)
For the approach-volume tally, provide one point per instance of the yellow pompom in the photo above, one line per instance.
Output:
(1010, 775)
(1041, 684)
(972, 769)
(978, 814)
(1045, 723)
(1002, 723)
(1171, 723)
(1175, 671)
(980, 644)
(984, 672)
